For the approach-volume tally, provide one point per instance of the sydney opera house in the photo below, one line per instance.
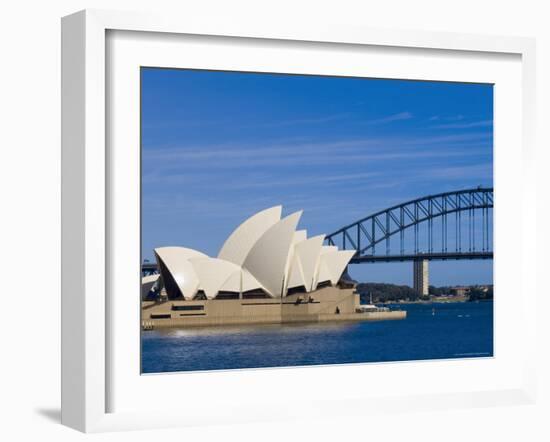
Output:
(266, 272)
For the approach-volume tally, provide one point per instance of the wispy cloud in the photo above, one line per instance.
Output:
(282, 122)
(304, 121)
(178, 164)
(391, 118)
(294, 147)
(475, 172)
(320, 180)
(465, 125)
(446, 117)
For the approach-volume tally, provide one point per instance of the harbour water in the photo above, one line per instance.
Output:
(430, 331)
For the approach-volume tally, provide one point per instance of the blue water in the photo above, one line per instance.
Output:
(458, 330)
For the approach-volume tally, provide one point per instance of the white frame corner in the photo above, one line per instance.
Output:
(84, 199)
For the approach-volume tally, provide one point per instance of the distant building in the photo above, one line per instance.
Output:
(421, 277)
(460, 291)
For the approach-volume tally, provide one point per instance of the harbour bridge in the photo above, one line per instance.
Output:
(447, 226)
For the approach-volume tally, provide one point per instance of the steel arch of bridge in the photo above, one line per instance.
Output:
(364, 235)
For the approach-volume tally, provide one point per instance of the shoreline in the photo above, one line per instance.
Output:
(435, 301)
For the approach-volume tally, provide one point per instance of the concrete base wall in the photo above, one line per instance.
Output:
(326, 304)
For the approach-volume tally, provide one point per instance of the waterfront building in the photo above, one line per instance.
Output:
(266, 271)
(459, 291)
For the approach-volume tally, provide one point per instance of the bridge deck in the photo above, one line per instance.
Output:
(428, 256)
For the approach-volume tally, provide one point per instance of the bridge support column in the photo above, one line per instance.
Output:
(421, 277)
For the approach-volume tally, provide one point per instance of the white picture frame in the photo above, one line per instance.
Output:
(86, 206)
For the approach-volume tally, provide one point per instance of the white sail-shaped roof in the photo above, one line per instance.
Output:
(294, 277)
(241, 282)
(178, 253)
(333, 264)
(233, 283)
(295, 274)
(299, 236)
(264, 253)
(308, 253)
(240, 242)
(147, 284)
(249, 282)
(322, 274)
(213, 273)
(267, 259)
(176, 261)
(328, 249)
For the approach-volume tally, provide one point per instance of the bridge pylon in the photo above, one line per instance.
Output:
(421, 277)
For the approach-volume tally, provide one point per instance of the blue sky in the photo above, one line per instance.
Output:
(219, 146)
